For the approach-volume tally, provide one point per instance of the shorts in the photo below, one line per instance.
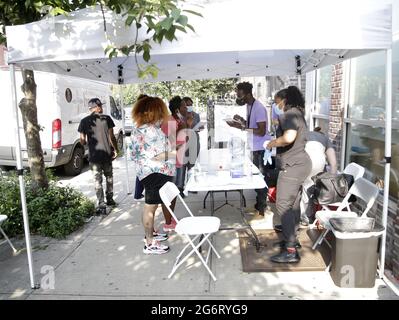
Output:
(152, 184)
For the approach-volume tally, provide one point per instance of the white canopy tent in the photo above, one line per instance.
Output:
(234, 38)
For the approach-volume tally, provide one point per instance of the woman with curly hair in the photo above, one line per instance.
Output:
(155, 163)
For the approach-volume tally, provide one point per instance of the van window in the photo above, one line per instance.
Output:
(116, 111)
(68, 95)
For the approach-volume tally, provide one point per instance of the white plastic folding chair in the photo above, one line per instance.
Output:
(192, 228)
(2, 219)
(362, 189)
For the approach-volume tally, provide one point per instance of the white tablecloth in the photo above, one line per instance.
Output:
(219, 179)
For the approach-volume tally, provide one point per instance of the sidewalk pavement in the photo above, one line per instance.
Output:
(104, 260)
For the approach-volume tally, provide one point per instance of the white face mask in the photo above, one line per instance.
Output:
(190, 109)
(277, 110)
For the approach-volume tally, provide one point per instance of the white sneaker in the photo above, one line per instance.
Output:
(265, 223)
(158, 237)
(155, 248)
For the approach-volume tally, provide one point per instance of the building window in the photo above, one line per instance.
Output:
(320, 114)
(323, 90)
(365, 124)
(323, 124)
(367, 87)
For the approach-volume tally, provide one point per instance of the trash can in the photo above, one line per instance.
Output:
(355, 252)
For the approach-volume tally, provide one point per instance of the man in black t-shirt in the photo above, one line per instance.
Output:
(96, 130)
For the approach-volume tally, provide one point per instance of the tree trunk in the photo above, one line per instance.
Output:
(32, 131)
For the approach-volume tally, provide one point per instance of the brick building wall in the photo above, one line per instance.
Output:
(293, 81)
(336, 116)
(336, 129)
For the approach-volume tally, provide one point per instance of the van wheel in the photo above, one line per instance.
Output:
(75, 165)
(119, 141)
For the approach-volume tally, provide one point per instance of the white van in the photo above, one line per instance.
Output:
(128, 120)
(61, 104)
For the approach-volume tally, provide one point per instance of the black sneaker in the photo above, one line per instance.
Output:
(286, 257)
(282, 244)
(101, 211)
(111, 202)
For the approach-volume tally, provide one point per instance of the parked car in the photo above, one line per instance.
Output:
(128, 121)
(61, 104)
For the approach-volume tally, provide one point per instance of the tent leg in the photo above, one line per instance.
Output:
(388, 140)
(21, 179)
(124, 140)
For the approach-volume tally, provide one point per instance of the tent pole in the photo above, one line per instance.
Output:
(299, 82)
(388, 137)
(125, 151)
(21, 178)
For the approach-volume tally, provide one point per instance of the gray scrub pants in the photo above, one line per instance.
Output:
(289, 192)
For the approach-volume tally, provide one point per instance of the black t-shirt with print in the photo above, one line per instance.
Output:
(95, 127)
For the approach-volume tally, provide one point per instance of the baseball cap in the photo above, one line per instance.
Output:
(94, 103)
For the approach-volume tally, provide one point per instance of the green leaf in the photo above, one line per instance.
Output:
(175, 13)
(108, 48)
(125, 50)
(141, 74)
(170, 35)
(150, 23)
(146, 55)
(180, 28)
(194, 12)
(182, 20)
(158, 36)
(57, 11)
(154, 71)
(129, 20)
(114, 53)
(190, 27)
(167, 23)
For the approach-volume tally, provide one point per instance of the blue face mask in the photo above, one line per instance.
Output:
(277, 110)
(189, 108)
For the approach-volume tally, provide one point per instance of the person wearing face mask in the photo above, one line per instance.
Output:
(294, 166)
(278, 107)
(179, 122)
(196, 127)
(255, 124)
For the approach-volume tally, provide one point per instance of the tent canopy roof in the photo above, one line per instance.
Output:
(234, 38)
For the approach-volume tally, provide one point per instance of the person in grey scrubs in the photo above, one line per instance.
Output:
(294, 165)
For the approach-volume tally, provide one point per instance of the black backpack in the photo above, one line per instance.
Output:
(330, 188)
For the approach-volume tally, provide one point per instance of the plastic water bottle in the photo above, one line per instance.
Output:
(237, 153)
